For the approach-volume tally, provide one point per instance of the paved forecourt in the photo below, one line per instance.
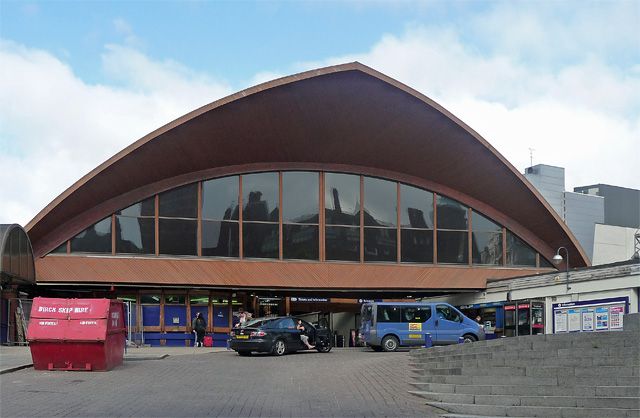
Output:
(344, 382)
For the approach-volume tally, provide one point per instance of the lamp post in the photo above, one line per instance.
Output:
(557, 259)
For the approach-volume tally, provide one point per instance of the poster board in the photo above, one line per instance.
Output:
(587, 320)
(574, 317)
(616, 314)
(602, 318)
(560, 321)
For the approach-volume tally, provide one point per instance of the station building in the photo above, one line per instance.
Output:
(305, 194)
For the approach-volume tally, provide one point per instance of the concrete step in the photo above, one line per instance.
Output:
(536, 390)
(632, 403)
(500, 380)
(533, 411)
(545, 361)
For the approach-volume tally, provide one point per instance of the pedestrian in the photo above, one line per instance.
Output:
(199, 326)
(303, 335)
(479, 319)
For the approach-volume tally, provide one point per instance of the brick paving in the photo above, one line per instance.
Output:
(344, 382)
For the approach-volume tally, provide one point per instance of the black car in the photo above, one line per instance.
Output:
(278, 336)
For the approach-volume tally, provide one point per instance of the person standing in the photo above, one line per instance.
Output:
(199, 326)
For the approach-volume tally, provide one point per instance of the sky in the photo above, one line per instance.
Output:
(546, 82)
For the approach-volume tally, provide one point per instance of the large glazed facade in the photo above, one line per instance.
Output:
(337, 179)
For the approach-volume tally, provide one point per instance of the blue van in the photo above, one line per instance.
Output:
(385, 326)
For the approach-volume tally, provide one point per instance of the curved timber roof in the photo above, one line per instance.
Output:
(347, 118)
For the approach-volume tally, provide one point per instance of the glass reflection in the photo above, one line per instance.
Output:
(181, 202)
(260, 240)
(300, 197)
(220, 239)
(486, 247)
(451, 214)
(453, 247)
(260, 197)
(95, 239)
(380, 202)
(178, 236)
(380, 244)
(416, 207)
(62, 249)
(342, 243)
(544, 263)
(518, 252)
(482, 223)
(135, 235)
(300, 242)
(146, 207)
(342, 199)
(416, 245)
(220, 199)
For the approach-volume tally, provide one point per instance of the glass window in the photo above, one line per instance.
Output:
(220, 199)
(287, 323)
(451, 214)
(380, 244)
(300, 197)
(416, 314)
(260, 197)
(62, 249)
(388, 313)
(416, 207)
(95, 239)
(146, 207)
(544, 263)
(448, 313)
(380, 202)
(150, 299)
(135, 235)
(518, 252)
(220, 239)
(178, 236)
(300, 242)
(342, 199)
(416, 246)
(199, 299)
(481, 223)
(179, 299)
(260, 240)
(342, 243)
(453, 247)
(179, 203)
(487, 247)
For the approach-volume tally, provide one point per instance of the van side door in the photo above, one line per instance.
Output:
(415, 324)
(448, 324)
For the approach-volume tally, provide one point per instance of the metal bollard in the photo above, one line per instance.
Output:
(428, 342)
(460, 340)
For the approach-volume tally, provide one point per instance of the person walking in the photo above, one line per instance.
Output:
(199, 326)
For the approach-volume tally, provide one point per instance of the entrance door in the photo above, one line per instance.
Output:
(524, 319)
(510, 329)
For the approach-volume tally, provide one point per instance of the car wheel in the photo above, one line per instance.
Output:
(468, 338)
(390, 343)
(244, 353)
(376, 348)
(324, 348)
(279, 348)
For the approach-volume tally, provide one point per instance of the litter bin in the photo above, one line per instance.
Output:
(76, 334)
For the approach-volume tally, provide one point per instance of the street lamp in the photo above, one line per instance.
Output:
(557, 259)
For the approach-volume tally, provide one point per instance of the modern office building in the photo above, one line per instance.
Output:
(304, 194)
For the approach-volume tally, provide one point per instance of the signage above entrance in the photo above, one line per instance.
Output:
(310, 300)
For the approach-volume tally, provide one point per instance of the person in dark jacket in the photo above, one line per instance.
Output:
(199, 326)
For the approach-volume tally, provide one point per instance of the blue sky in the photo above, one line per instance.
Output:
(81, 80)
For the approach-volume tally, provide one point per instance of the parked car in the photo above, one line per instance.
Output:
(278, 336)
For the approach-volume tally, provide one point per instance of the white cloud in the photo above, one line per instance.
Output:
(582, 114)
(54, 128)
